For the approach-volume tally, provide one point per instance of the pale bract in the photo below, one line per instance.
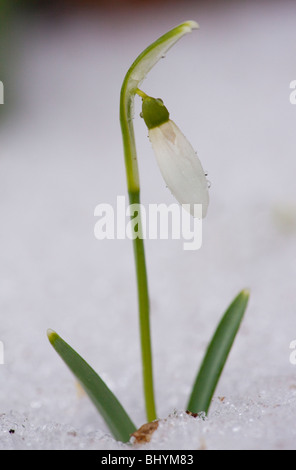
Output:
(180, 167)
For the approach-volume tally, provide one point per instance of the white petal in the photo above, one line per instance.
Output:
(180, 166)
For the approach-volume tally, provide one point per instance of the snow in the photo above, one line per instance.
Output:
(227, 87)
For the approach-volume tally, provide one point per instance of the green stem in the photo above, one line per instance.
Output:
(134, 76)
(139, 253)
(144, 315)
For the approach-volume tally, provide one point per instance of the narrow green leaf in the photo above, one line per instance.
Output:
(107, 404)
(216, 355)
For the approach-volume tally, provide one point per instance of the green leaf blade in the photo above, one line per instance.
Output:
(216, 355)
(105, 401)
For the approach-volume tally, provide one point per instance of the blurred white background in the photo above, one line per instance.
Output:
(227, 87)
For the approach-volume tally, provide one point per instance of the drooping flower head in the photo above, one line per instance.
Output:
(176, 158)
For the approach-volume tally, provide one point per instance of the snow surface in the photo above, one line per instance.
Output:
(227, 87)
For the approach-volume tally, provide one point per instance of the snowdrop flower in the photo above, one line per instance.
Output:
(176, 158)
